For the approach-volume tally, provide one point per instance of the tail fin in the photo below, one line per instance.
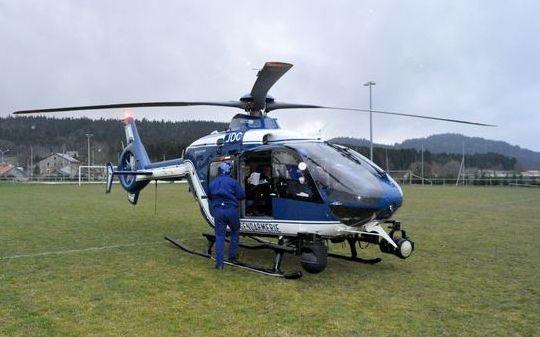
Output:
(135, 144)
(131, 164)
(134, 168)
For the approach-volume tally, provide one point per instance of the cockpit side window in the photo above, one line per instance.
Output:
(291, 178)
(213, 170)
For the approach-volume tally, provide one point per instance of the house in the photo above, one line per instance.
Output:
(531, 173)
(496, 174)
(74, 154)
(59, 164)
(10, 172)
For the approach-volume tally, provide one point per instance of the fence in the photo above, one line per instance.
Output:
(99, 174)
(411, 179)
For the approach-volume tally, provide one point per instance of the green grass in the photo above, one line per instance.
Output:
(475, 271)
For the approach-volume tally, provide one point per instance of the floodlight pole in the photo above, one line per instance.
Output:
(88, 135)
(370, 84)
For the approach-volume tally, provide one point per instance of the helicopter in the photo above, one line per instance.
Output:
(301, 192)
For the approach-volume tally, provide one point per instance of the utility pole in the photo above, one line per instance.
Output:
(370, 84)
(4, 151)
(88, 135)
(422, 164)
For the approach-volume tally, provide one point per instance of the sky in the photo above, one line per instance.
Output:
(470, 60)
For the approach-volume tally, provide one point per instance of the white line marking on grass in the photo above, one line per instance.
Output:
(71, 251)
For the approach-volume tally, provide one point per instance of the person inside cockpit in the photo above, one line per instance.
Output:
(259, 188)
(296, 183)
(250, 189)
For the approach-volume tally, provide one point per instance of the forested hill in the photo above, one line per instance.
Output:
(452, 143)
(163, 139)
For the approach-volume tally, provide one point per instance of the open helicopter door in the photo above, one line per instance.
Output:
(256, 176)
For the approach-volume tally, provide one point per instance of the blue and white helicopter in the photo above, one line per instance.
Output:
(300, 190)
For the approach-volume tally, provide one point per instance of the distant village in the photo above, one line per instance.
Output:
(56, 166)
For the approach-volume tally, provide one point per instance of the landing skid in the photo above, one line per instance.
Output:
(276, 271)
(354, 254)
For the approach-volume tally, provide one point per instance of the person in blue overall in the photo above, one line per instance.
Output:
(225, 193)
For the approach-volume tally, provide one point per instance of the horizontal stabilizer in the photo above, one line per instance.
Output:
(132, 173)
(111, 173)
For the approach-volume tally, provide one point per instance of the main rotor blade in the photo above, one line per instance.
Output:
(266, 78)
(278, 105)
(232, 104)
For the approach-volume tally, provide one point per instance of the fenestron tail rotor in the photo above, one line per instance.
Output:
(256, 103)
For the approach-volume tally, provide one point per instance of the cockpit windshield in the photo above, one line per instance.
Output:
(247, 123)
(241, 122)
(342, 174)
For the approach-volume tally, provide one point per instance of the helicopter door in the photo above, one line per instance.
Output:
(256, 177)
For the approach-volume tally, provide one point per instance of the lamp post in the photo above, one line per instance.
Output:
(88, 135)
(4, 151)
(370, 84)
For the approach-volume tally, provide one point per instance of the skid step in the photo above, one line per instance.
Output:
(266, 271)
(260, 245)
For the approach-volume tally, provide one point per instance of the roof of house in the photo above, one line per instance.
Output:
(5, 168)
(63, 156)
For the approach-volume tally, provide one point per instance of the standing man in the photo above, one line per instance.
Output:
(225, 193)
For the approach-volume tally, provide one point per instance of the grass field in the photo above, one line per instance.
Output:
(74, 261)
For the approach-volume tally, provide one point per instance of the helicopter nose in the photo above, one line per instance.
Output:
(391, 199)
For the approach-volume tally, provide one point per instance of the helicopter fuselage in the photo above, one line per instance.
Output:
(294, 184)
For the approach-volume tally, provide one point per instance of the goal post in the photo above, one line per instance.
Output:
(92, 173)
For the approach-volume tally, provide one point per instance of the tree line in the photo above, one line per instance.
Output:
(163, 139)
(167, 139)
(439, 165)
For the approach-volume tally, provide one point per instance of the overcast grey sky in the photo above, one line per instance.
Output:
(473, 60)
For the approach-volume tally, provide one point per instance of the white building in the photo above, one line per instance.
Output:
(59, 164)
